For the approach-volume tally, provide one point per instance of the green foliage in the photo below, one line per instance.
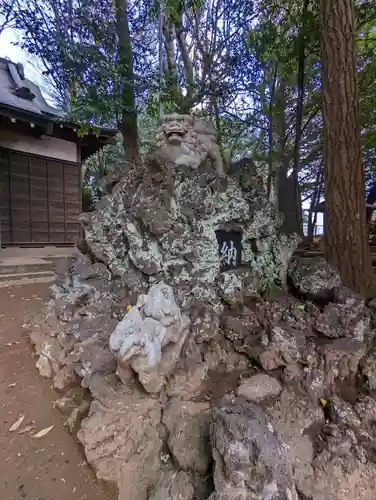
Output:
(77, 42)
(104, 161)
(89, 199)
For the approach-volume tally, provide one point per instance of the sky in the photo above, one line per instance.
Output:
(16, 54)
(8, 39)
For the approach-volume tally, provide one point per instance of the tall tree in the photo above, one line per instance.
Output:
(301, 57)
(346, 238)
(128, 117)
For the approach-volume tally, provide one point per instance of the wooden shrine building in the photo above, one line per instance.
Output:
(40, 165)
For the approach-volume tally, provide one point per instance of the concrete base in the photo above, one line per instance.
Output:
(42, 252)
(31, 264)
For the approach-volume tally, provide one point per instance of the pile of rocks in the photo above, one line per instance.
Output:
(192, 385)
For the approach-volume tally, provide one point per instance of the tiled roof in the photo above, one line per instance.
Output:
(22, 94)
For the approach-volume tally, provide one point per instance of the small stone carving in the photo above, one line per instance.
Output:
(139, 339)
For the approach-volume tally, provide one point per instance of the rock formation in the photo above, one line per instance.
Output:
(142, 340)
(250, 460)
(199, 385)
(165, 223)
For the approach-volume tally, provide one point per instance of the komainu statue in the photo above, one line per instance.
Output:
(188, 141)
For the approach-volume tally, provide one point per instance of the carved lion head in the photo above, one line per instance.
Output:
(185, 140)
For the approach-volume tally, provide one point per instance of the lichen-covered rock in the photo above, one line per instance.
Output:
(71, 400)
(250, 459)
(173, 485)
(331, 364)
(162, 223)
(368, 369)
(314, 277)
(142, 338)
(327, 454)
(187, 383)
(188, 424)
(259, 387)
(341, 412)
(282, 347)
(365, 407)
(295, 418)
(275, 333)
(71, 333)
(91, 356)
(122, 442)
(65, 379)
(74, 420)
(236, 286)
(346, 316)
(48, 350)
(340, 480)
(44, 367)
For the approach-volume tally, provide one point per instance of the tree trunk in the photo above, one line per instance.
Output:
(299, 118)
(170, 71)
(271, 194)
(346, 239)
(312, 215)
(128, 114)
(285, 186)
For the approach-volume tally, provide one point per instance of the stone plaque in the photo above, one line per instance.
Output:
(230, 249)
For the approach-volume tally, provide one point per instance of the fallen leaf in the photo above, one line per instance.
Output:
(43, 432)
(27, 429)
(16, 424)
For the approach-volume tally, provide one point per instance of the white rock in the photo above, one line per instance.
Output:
(138, 340)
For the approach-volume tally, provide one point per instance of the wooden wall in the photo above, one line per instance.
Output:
(40, 200)
(46, 146)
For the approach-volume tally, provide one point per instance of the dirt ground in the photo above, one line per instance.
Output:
(51, 467)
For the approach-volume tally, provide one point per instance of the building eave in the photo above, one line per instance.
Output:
(56, 126)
